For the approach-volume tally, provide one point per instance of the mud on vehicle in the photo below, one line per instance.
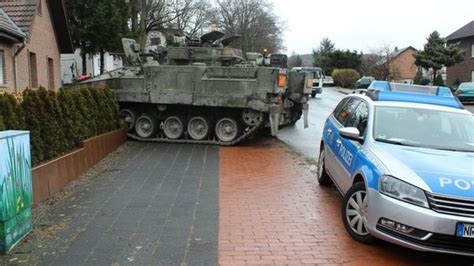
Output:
(183, 90)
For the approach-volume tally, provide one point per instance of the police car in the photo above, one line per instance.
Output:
(403, 157)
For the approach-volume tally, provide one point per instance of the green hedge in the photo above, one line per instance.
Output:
(59, 121)
(2, 125)
(345, 78)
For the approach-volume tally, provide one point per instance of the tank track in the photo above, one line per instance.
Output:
(247, 133)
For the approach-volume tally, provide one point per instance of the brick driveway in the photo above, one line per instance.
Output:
(166, 204)
(273, 211)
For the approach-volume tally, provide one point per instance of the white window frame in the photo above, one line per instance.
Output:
(472, 50)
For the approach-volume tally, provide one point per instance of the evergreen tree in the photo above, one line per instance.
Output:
(9, 111)
(70, 120)
(418, 76)
(98, 26)
(102, 117)
(114, 107)
(2, 125)
(79, 113)
(32, 110)
(329, 58)
(439, 80)
(89, 111)
(321, 55)
(52, 132)
(298, 61)
(437, 53)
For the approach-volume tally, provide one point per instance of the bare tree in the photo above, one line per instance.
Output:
(379, 63)
(255, 21)
(191, 15)
(187, 16)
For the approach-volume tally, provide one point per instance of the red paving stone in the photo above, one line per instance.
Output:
(273, 212)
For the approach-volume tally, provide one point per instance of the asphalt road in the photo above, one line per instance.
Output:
(306, 141)
(470, 107)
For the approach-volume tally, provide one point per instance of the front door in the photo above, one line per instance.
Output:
(346, 149)
(339, 157)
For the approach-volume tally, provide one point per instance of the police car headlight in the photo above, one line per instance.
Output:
(398, 189)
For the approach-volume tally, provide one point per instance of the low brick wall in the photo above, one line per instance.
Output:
(52, 176)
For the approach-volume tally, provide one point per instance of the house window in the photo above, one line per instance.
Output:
(33, 71)
(472, 76)
(2, 67)
(50, 73)
(472, 50)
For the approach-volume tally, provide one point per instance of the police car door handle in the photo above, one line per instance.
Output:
(329, 131)
(338, 142)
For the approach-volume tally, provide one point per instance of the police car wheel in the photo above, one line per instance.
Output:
(323, 177)
(313, 94)
(354, 213)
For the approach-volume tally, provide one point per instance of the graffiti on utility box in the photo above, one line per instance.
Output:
(15, 187)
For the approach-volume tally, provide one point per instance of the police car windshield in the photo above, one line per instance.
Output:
(424, 128)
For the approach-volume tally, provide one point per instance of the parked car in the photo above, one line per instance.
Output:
(317, 80)
(465, 92)
(402, 156)
(328, 81)
(364, 82)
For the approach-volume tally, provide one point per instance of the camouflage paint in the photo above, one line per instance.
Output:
(15, 187)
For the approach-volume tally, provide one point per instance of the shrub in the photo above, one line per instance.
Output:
(32, 110)
(418, 76)
(345, 78)
(114, 107)
(89, 111)
(425, 81)
(9, 110)
(456, 83)
(52, 134)
(103, 112)
(72, 120)
(2, 125)
(439, 81)
(59, 121)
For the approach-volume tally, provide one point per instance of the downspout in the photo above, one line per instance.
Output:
(15, 65)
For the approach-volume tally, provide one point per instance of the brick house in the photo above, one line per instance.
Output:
(33, 34)
(464, 71)
(402, 64)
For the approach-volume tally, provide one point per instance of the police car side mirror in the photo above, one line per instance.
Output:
(351, 133)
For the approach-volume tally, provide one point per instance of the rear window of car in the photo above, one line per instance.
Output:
(467, 86)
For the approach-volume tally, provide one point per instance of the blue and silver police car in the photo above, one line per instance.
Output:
(403, 157)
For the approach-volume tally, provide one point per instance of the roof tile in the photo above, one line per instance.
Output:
(22, 12)
(8, 26)
(466, 31)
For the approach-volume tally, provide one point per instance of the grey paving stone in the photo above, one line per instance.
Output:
(157, 204)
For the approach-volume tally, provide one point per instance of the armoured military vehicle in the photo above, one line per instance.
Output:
(184, 90)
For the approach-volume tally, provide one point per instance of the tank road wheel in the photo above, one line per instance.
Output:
(198, 128)
(251, 117)
(227, 129)
(145, 127)
(173, 127)
(128, 116)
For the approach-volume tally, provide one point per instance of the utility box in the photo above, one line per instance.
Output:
(16, 198)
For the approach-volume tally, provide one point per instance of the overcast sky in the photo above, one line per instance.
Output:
(368, 24)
